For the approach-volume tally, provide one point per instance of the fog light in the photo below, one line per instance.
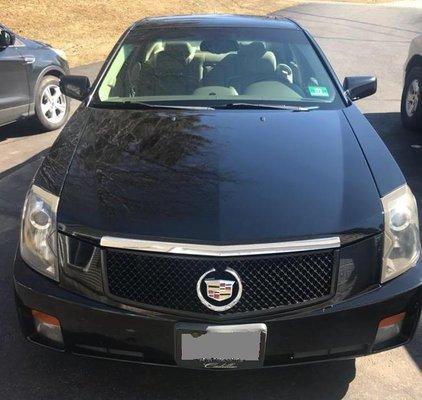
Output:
(389, 328)
(47, 326)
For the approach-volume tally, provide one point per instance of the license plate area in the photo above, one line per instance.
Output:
(220, 346)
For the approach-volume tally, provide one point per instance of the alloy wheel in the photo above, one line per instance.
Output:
(412, 98)
(53, 104)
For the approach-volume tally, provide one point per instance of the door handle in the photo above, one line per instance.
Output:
(29, 59)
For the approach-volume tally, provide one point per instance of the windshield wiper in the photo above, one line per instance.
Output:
(137, 104)
(266, 106)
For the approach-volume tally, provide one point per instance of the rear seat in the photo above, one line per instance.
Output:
(212, 52)
(208, 59)
(250, 64)
(173, 71)
(180, 70)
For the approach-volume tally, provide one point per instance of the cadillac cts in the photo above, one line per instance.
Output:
(218, 201)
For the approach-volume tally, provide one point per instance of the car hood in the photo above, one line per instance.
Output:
(34, 43)
(226, 176)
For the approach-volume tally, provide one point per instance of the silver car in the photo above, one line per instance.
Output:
(411, 103)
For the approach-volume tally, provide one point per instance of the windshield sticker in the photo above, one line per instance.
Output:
(318, 91)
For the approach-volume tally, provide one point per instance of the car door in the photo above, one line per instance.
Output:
(14, 90)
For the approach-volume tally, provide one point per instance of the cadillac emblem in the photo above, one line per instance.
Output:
(219, 290)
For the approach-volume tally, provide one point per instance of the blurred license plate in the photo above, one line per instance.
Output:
(220, 346)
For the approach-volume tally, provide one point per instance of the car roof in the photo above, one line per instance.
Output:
(218, 20)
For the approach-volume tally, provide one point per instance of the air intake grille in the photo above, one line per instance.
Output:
(169, 281)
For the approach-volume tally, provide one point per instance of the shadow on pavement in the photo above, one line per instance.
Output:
(21, 128)
(36, 159)
(400, 142)
(89, 379)
(414, 348)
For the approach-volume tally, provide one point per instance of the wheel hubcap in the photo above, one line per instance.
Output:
(412, 98)
(53, 104)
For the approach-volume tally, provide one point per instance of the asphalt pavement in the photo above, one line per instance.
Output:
(358, 39)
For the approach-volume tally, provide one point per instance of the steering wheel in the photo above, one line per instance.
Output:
(286, 71)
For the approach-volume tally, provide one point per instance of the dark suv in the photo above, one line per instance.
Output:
(29, 75)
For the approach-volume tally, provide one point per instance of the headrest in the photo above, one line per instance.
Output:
(180, 51)
(254, 49)
(263, 65)
(270, 59)
(219, 46)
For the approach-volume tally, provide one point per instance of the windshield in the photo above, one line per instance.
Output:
(216, 66)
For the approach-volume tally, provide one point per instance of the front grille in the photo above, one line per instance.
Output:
(269, 282)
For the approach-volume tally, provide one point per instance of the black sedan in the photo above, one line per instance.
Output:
(218, 201)
(29, 81)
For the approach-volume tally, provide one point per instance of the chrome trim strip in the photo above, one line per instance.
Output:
(220, 251)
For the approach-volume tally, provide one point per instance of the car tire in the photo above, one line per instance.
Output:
(51, 106)
(411, 102)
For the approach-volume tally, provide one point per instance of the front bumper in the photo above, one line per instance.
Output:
(343, 330)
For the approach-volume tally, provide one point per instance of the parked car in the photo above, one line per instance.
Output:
(29, 73)
(218, 201)
(411, 102)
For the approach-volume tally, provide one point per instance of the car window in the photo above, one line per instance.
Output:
(208, 66)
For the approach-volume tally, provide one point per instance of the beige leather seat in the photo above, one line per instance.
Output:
(252, 63)
(173, 71)
(213, 51)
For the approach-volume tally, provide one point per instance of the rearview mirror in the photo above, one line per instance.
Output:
(75, 86)
(358, 87)
(6, 39)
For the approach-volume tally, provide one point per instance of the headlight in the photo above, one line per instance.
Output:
(38, 232)
(60, 53)
(401, 238)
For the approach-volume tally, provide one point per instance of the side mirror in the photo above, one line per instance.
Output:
(75, 86)
(358, 87)
(6, 39)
